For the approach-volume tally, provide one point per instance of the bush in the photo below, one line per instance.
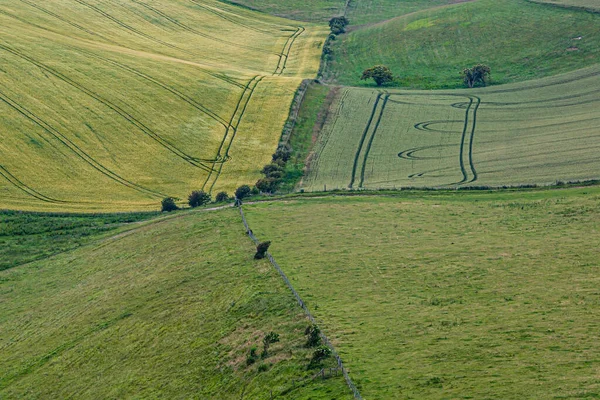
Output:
(263, 367)
(222, 197)
(198, 198)
(252, 357)
(320, 354)
(261, 250)
(168, 204)
(379, 73)
(338, 25)
(242, 192)
(270, 170)
(314, 336)
(282, 153)
(268, 185)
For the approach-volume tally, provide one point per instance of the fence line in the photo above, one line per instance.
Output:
(306, 311)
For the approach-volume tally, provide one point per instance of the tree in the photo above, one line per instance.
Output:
(198, 198)
(261, 250)
(314, 336)
(338, 25)
(242, 191)
(271, 337)
(168, 204)
(273, 170)
(222, 197)
(321, 353)
(282, 153)
(379, 73)
(267, 185)
(479, 74)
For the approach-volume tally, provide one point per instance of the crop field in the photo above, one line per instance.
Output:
(166, 309)
(538, 132)
(111, 105)
(518, 39)
(358, 12)
(450, 295)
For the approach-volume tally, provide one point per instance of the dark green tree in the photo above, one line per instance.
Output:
(222, 197)
(168, 204)
(379, 73)
(338, 25)
(314, 336)
(261, 250)
(477, 75)
(242, 192)
(198, 198)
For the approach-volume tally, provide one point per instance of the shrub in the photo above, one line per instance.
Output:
(198, 198)
(263, 367)
(379, 73)
(168, 204)
(282, 153)
(479, 74)
(242, 192)
(272, 169)
(268, 185)
(314, 336)
(222, 197)
(252, 356)
(338, 25)
(261, 250)
(321, 353)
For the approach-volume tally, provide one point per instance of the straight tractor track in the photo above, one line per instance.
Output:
(150, 133)
(27, 189)
(231, 131)
(362, 139)
(76, 149)
(370, 143)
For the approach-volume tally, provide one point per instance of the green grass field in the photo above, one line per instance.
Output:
(536, 132)
(519, 40)
(589, 5)
(169, 309)
(27, 237)
(111, 105)
(450, 295)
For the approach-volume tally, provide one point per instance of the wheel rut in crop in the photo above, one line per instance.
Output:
(230, 133)
(16, 182)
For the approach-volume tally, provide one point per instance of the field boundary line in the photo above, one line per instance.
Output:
(312, 319)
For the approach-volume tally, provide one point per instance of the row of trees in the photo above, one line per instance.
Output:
(196, 199)
(478, 75)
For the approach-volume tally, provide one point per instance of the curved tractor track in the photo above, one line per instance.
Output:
(16, 182)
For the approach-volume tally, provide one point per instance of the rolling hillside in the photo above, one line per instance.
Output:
(169, 308)
(110, 105)
(536, 132)
(588, 5)
(450, 295)
(518, 39)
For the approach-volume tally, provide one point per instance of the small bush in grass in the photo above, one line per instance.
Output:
(261, 250)
(222, 197)
(314, 336)
(168, 204)
(242, 192)
(321, 353)
(198, 198)
(252, 356)
(269, 338)
(263, 368)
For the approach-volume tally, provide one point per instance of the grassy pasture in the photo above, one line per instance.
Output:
(169, 309)
(27, 237)
(518, 39)
(110, 105)
(589, 5)
(532, 133)
(450, 295)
